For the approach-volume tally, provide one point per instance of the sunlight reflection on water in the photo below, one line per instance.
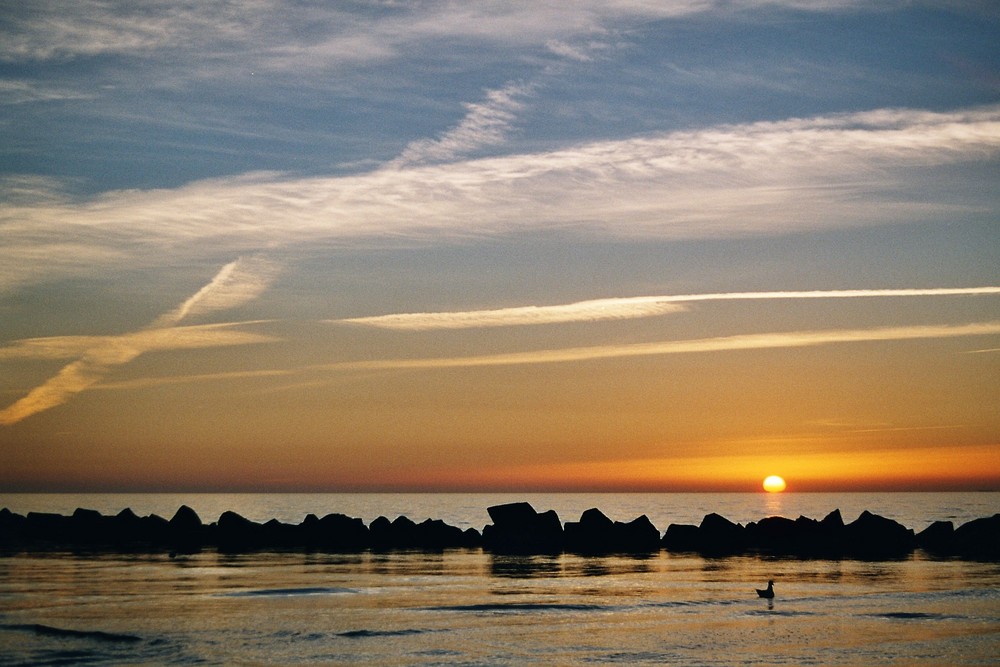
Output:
(476, 608)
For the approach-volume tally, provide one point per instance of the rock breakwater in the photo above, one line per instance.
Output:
(515, 528)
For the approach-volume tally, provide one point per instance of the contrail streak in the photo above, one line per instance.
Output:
(624, 308)
(726, 343)
(234, 284)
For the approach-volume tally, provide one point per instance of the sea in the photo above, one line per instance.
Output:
(470, 607)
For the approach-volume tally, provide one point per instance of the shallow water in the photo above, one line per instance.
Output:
(467, 607)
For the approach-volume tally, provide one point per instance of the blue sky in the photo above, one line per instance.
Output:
(219, 200)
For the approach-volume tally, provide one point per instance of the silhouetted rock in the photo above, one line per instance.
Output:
(872, 535)
(593, 533)
(436, 534)
(185, 520)
(719, 535)
(343, 533)
(186, 529)
(775, 534)
(11, 528)
(518, 528)
(939, 537)
(471, 538)
(47, 528)
(680, 537)
(638, 535)
(380, 533)
(979, 538)
(276, 534)
(237, 533)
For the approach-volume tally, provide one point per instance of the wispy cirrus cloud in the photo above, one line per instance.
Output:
(730, 180)
(790, 339)
(485, 124)
(50, 29)
(235, 284)
(625, 308)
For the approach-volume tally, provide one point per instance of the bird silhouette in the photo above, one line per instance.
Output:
(767, 592)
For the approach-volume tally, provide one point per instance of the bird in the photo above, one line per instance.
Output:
(767, 592)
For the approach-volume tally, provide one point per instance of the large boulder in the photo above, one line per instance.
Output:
(11, 528)
(339, 532)
(680, 537)
(237, 533)
(638, 535)
(937, 538)
(719, 535)
(593, 533)
(186, 529)
(518, 528)
(46, 528)
(775, 534)
(871, 535)
(979, 538)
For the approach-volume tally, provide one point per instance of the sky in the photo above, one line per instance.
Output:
(418, 245)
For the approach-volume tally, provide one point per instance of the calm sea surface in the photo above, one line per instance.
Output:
(472, 608)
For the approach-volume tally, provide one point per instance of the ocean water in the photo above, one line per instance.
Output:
(467, 607)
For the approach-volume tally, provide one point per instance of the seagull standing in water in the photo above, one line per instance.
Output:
(767, 592)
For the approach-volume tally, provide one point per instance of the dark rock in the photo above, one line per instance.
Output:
(436, 534)
(472, 538)
(939, 537)
(186, 530)
(979, 538)
(719, 535)
(637, 536)
(334, 532)
(11, 527)
(237, 533)
(280, 535)
(680, 537)
(871, 535)
(775, 534)
(593, 533)
(131, 532)
(341, 532)
(518, 528)
(512, 514)
(380, 533)
(87, 527)
(46, 528)
(185, 520)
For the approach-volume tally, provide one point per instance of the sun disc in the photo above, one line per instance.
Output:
(774, 484)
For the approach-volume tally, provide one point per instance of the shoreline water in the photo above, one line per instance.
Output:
(472, 606)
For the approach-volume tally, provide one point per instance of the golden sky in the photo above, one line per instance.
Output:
(505, 247)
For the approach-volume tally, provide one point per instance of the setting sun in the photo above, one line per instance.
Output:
(774, 484)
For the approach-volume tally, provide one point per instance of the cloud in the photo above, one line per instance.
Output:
(324, 33)
(102, 354)
(789, 339)
(729, 180)
(235, 284)
(622, 308)
(485, 124)
(584, 311)
(24, 92)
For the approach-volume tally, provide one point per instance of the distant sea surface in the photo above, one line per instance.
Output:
(468, 607)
